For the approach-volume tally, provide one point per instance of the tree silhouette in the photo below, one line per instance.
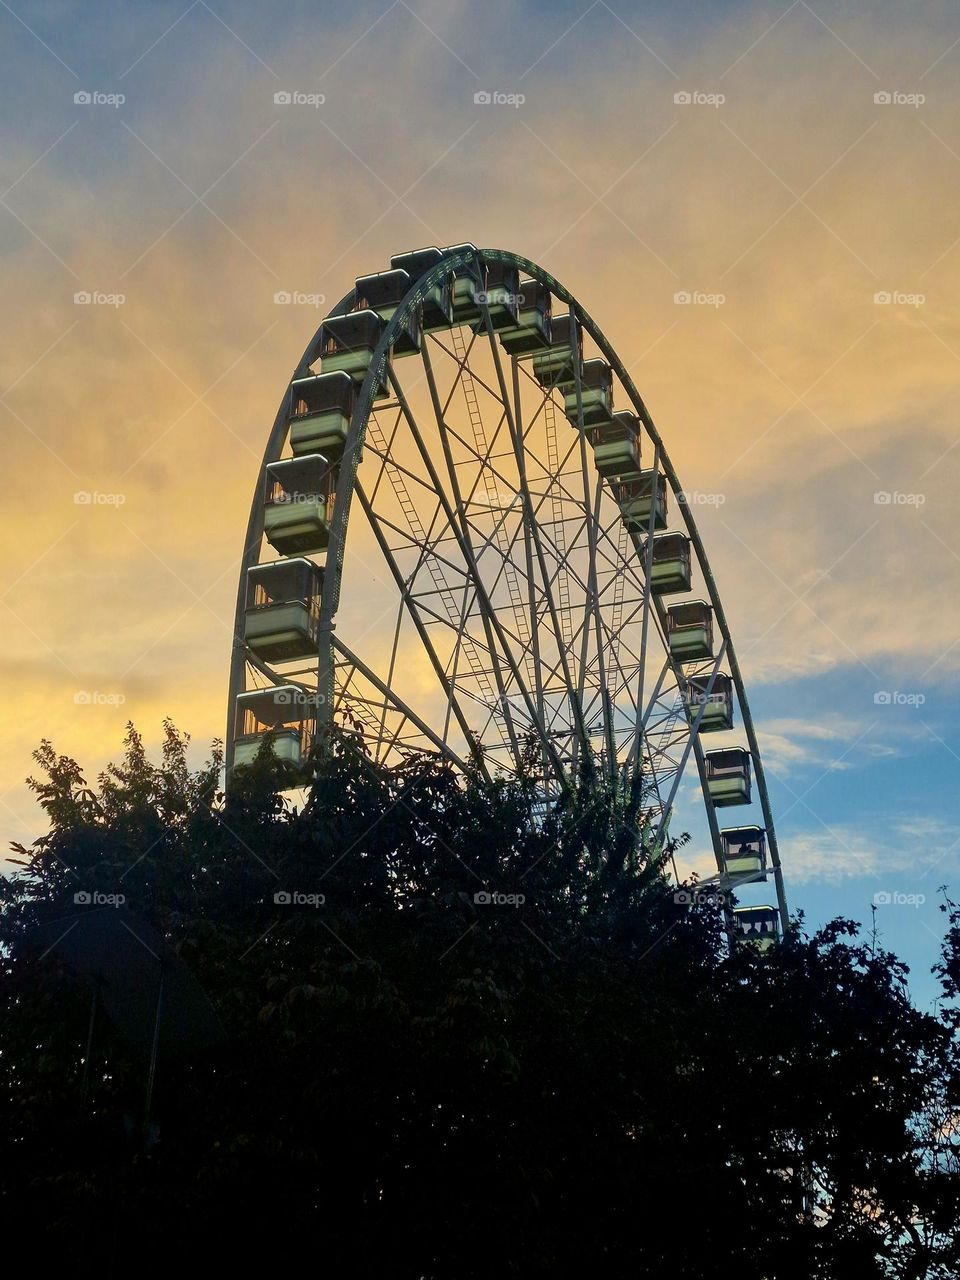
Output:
(465, 1038)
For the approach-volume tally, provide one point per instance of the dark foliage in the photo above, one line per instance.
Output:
(418, 1083)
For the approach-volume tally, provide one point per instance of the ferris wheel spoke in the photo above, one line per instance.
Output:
(455, 660)
(591, 602)
(579, 631)
(644, 713)
(413, 612)
(427, 555)
(420, 537)
(532, 647)
(503, 544)
(648, 592)
(461, 532)
(491, 622)
(603, 539)
(394, 649)
(394, 700)
(381, 449)
(462, 361)
(576, 708)
(508, 571)
(392, 470)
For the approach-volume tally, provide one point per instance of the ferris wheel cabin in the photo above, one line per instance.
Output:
(322, 406)
(502, 294)
(282, 614)
(595, 394)
(744, 852)
(298, 503)
(532, 331)
(728, 776)
(636, 499)
(671, 569)
(690, 630)
(758, 926)
(285, 713)
(717, 704)
(382, 294)
(436, 309)
(616, 447)
(347, 344)
(555, 366)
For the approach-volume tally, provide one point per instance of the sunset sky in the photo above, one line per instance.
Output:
(809, 188)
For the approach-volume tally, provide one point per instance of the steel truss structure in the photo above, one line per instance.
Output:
(491, 590)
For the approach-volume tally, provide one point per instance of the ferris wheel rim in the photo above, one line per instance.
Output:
(450, 261)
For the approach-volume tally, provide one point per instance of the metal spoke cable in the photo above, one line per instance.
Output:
(556, 510)
(445, 591)
(494, 501)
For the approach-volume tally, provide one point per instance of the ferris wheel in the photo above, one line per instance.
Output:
(467, 537)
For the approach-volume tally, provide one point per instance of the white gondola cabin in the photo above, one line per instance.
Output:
(555, 366)
(285, 712)
(616, 446)
(282, 614)
(728, 776)
(347, 344)
(596, 394)
(670, 567)
(322, 405)
(636, 499)
(717, 704)
(690, 630)
(437, 305)
(382, 293)
(532, 331)
(298, 503)
(759, 926)
(744, 853)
